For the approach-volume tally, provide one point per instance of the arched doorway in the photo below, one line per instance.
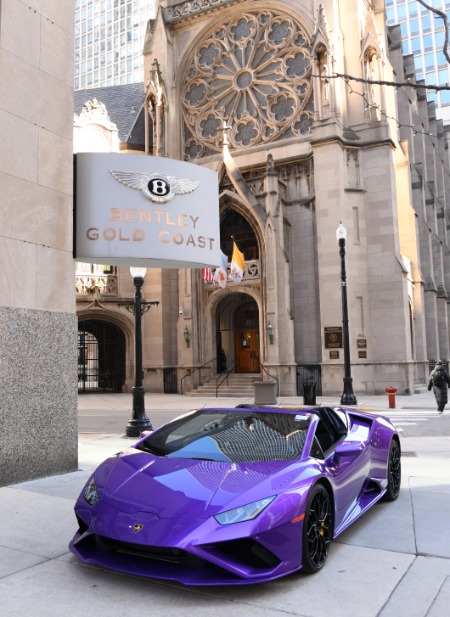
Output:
(101, 356)
(237, 334)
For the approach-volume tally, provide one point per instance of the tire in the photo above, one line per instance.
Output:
(317, 529)
(394, 472)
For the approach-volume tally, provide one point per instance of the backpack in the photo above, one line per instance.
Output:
(439, 378)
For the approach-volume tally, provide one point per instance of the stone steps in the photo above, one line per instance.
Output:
(239, 385)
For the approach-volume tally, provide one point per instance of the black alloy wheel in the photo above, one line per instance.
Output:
(317, 529)
(394, 472)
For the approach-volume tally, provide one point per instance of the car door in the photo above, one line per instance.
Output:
(347, 471)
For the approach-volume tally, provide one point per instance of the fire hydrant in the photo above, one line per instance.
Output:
(391, 396)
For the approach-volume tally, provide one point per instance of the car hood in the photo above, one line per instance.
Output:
(176, 488)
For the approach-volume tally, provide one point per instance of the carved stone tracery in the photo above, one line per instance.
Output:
(190, 8)
(95, 112)
(254, 74)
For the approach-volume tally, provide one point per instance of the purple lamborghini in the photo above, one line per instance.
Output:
(236, 496)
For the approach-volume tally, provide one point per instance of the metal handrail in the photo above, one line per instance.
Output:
(222, 378)
(271, 376)
(191, 372)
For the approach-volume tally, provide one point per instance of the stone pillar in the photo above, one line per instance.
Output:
(38, 325)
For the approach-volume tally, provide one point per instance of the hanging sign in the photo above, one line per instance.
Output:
(154, 212)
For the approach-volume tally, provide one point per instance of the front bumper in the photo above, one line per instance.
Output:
(199, 552)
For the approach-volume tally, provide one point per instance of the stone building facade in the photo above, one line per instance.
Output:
(38, 326)
(291, 104)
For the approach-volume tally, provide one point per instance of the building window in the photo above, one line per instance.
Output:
(445, 97)
(443, 77)
(426, 24)
(414, 27)
(428, 43)
(429, 62)
(441, 59)
(390, 16)
(406, 46)
(412, 9)
(415, 45)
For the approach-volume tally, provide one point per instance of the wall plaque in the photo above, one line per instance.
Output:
(334, 355)
(333, 337)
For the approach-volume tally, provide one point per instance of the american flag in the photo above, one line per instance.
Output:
(207, 275)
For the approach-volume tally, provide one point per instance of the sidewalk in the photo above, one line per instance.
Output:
(394, 562)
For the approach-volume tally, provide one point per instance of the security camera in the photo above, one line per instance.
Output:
(180, 312)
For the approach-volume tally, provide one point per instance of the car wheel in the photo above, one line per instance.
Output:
(394, 472)
(317, 531)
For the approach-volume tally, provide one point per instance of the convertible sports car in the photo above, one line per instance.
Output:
(236, 496)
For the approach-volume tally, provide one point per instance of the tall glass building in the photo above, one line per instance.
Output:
(423, 34)
(109, 40)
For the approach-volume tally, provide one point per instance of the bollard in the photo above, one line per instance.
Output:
(391, 396)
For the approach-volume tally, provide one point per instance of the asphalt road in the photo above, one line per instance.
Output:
(420, 422)
(413, 416)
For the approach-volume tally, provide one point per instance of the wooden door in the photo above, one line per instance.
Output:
(247, 351)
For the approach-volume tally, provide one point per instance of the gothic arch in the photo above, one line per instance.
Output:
(372, 60)
(323, 57)
(215, 298)
(156, 106)
(228, 199)
(372, 91)
(322, 92)
(211, 311)
(123, 322)
(227, 204)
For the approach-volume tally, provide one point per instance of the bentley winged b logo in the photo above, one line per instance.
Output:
(156, 187)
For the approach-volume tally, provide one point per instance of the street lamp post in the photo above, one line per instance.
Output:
(139, 421)
(347, 398)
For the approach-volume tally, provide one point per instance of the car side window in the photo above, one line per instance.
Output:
(323, 436)
(316, 450)
(330, 428)
(334, 421)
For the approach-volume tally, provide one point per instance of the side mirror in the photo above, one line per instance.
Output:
(349, 448)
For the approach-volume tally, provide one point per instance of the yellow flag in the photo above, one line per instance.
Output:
(237, 264)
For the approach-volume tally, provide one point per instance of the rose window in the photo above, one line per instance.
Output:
(254, 73)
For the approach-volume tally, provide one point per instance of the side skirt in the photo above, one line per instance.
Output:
(360, 508)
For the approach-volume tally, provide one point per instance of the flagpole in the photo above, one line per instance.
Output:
(232, 237)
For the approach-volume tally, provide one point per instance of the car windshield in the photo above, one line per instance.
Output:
(237, 435)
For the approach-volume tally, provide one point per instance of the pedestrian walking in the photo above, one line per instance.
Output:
(439, 380)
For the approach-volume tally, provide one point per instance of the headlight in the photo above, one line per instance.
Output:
(90, 492)
(243, 513)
